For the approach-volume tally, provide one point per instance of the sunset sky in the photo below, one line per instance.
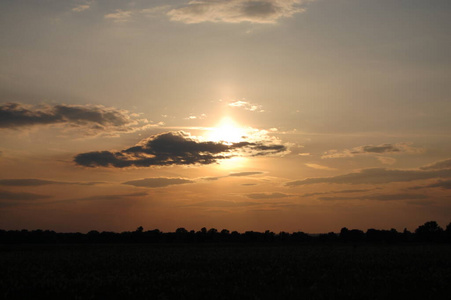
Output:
(280, 115)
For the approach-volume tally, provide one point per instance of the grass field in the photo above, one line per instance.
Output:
(211, 271)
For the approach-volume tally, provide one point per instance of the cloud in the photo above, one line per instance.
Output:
(175, 148)
(39, 182)
(212, 178)
(120, 16)
(193, 117)
(117, 197)
(18, 199)
(444, 164)
(236, 11)
(320, 167)
(155, 10)
(81, 7)
(267, 195)
(373, 150)
(441, 169)
(223, 203)
(441, 184)
(376, 176)
(21, 196)
(158, 182)
(394, 197)
(304, 154)
(247, 106)
(91, 118)
(336, 192)
(379, 197)
(106, 197)
(240, 174)
(386, 160)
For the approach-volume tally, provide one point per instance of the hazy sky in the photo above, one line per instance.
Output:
(239, 114)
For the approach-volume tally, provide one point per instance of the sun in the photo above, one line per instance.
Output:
(227, 131)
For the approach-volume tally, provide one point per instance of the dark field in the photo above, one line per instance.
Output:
(210, 271)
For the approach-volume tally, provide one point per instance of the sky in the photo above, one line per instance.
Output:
(282, 115)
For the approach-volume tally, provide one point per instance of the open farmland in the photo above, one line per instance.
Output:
(211, 271)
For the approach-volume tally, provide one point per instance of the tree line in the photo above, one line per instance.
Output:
(429, 232)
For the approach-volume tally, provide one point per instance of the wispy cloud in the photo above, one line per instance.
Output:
(246, 106)
(336, 192)
(155, 10)
(241, 174)
(194, 117)
(304, 154)
(319, 167)
(158, 182)
(267, 195)
(373, 150)
(111, 197)
(378, 197)
(223, 203)
(20, 196)
(119, 16)
(175, 148)
(380, 176)
(441, 184)
(236, 11)
(81, 7)
(238, 174)
(386, 160)
(445, 164)
(39, 182)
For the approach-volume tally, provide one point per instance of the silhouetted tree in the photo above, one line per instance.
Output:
(448, 232)
(93, 236)
(429, 231)
(212, 231)
(235, 236)
(181, 231)
(269, 236)
(181, 234)
(354, 235)
(300, 237)
(407, 236)
(328, 237)
(284, 236)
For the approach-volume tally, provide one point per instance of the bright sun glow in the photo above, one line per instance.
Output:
(227, 131)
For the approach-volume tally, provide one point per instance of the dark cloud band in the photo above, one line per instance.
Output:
(39, 182)
(174, 148)
(94, 117)
(158, 182)
(20, 196)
